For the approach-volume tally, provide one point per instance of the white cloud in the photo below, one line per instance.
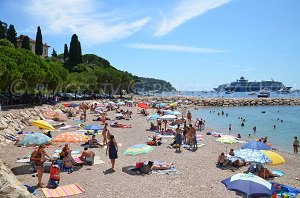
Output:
(184, 11)
(176, 48)
(85, 18)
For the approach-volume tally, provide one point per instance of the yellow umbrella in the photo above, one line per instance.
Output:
(173, 104)
(43, 124)
(274, 157)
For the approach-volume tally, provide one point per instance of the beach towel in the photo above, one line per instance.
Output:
(288, 190)
(97, 160)
(170, 171)
(66, 127)
(24, 160)
(278, 172)
(63, 191)
(165, 136)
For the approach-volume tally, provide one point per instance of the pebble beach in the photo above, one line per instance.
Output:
(197, 174)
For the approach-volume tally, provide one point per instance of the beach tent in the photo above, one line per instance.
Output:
(70, 137)
(34, 139)
(138, 149)
(256, 145)
(43, 124)
(249, 184)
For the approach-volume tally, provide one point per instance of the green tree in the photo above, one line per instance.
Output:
(75, 56)
(5, 42)
(25, 43)
(54, 54)
(39, 42)
(66, 52)
(3, 29)
(12, 35)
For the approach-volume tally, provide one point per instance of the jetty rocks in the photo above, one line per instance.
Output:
(10, 187)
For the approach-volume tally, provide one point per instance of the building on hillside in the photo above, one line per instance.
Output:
(32, 45)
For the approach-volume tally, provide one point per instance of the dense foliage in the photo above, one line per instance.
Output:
(25, 43)
(3, 30)
(11, 35)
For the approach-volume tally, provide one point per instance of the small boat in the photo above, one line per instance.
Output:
(284, 90)
(264, 94)
(252, 93)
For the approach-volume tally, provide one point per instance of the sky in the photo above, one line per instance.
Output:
(194, 44)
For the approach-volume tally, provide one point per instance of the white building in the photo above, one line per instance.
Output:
(32, 45)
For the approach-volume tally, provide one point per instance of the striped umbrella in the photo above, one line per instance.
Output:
(50, 114)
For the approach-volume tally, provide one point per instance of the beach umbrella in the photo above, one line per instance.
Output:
(100, 105)
(153, 117)
(227, 140)
(162, 104)
(94, 127)
(168, 117)
(143, 106)
(176, 113)
(50, 114)
(174, 104)
(34, 139)
(251, 155)
(61, 117)
(256, 145)
(168, 112)
(111, 103)
(275, 158)
(70, 137)
(43, 124)
(138, 149)
(249, 184)
(120, 103)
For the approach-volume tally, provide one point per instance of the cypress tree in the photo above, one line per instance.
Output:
(66, 52)
(12, 35)
(3, 30)
(75, 56)
(39, 42)
(25, 43)
(54, 54)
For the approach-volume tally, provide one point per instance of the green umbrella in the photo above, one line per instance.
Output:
(138, 149)
(34, 139)
(227, 140)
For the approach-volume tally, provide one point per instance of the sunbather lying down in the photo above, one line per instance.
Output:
(118, 125)
(161, 165)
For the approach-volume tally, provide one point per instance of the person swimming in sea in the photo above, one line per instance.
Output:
(229, 127)
(242, 124)
(254, 129)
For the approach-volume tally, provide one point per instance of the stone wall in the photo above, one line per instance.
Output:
(10, 187)
(16, 120)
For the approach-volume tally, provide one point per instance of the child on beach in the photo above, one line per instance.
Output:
(112, 149)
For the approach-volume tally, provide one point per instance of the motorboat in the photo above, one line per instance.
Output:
(284, 90)
(264, 94)
(252, 93)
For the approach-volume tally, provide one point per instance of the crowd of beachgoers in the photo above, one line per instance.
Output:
(105, 145)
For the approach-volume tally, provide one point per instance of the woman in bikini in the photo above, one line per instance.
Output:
(39, 156)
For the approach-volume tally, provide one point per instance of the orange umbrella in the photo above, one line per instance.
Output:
(50, 114)
(70, 137)
(143, 106)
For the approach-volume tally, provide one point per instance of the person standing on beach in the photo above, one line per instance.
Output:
(39, 156)
(178, 138)
(158, 125)
(296, 145)
(193, 135)
(112, 149)
(104, 134)
(189, 117)
(201, 124)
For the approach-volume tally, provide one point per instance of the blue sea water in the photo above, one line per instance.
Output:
(281, 137)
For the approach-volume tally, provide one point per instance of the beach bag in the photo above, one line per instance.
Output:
(139, 164)
(55, 173)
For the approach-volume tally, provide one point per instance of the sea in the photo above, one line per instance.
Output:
(286, 119)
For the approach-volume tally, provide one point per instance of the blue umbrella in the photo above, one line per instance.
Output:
(256, 145)
(94, 127)
(153, 117)
(73, 105)
(175, 113)
(250, 155)
(249, 184)
(34, 139)
(162, 104)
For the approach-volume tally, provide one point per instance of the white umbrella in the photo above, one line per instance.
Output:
(168, 117)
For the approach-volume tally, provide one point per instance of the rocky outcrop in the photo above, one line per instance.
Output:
(10, 187)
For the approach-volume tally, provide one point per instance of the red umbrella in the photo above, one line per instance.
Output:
(143, 106)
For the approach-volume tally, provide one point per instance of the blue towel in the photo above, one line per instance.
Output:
(278, 172)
